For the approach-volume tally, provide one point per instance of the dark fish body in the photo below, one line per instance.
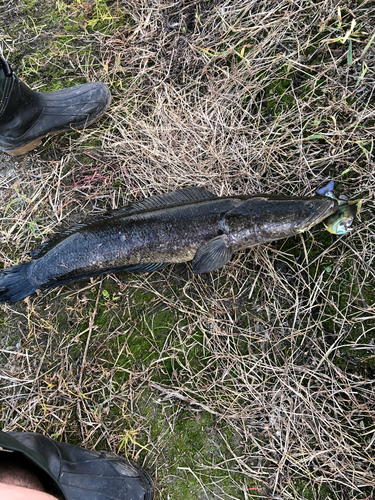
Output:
(191, 224)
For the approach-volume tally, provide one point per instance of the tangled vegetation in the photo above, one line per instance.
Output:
(255, 381)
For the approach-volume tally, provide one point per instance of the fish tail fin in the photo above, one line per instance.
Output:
(15, 283)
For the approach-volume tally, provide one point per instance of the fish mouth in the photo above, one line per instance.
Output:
(324, 211)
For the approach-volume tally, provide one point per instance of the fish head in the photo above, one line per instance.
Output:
(314, 210)
(262, 219)
(296, 214)
(340, 222)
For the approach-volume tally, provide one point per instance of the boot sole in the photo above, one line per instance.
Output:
(27, 148)
(36, 142)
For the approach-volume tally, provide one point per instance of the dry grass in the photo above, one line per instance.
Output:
(272, 356)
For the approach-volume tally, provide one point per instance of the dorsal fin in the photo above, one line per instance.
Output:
(167, 199)
(160, 200)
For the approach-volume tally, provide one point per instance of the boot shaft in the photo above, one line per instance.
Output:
(20, 107)
(6, 82)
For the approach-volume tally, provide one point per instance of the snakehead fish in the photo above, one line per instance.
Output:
(190, 224)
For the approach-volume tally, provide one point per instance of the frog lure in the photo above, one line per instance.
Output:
(339, 223)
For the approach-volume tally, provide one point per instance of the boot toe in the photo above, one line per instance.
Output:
(76, 107)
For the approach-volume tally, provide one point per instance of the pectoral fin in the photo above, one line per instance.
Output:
(212, 255)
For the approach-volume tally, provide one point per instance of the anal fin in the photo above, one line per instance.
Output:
(143, 268)
(132, 268)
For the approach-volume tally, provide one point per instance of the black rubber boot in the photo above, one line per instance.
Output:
(27, 116)
(73, 473)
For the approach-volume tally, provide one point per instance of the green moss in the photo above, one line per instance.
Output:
(50, 62)
(149, 336)
(188, 443)
(309, 492)
(191, 445)
(278, 97)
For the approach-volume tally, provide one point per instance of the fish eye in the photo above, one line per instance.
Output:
(309, 205)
